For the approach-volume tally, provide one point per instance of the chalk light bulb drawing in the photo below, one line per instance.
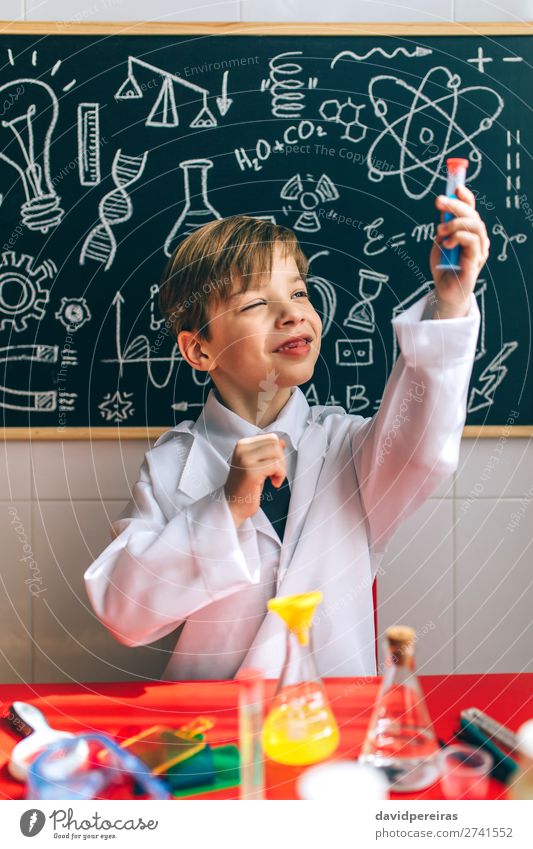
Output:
(26, 146)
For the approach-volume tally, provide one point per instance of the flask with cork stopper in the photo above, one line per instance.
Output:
(400, 739)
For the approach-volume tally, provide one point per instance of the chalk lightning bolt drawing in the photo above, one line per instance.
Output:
(421, 117)
(490, 378)
(114, 208)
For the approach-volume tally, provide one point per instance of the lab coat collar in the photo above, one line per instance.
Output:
(206, 467)
(223, 428)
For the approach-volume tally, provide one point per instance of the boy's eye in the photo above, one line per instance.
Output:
(259, 303)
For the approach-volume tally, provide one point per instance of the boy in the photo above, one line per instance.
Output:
(193, 549)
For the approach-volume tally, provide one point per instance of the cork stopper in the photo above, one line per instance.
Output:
(401, 640)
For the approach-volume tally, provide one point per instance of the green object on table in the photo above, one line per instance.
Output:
(226, 773)
(197, 770)
(504, 766)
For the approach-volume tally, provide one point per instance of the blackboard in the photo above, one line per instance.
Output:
(112, 143)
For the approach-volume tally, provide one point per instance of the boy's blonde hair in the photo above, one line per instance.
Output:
(204, 265)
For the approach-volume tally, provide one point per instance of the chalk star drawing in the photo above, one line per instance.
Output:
(117, 407)
(21, 295)
(435, 121)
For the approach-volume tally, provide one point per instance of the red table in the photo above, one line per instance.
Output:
(132, 706)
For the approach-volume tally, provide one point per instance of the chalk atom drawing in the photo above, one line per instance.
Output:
(446, 124)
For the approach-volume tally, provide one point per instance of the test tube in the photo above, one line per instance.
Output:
(456, 177)
(250, 727)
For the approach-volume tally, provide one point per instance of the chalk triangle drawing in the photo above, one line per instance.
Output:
(129, 90)
(164, 112)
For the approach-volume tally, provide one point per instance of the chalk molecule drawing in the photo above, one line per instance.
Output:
(436, 121)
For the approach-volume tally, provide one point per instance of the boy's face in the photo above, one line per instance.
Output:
(247, 330)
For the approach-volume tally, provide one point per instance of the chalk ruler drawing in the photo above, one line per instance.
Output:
(164, 112)
(402, 134)
(89, 144)
(114, 208)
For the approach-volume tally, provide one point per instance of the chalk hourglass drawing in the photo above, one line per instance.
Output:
(197, 210)
(362, 315)
(27, 134)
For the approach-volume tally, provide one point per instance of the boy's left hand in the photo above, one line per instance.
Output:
(453, 288)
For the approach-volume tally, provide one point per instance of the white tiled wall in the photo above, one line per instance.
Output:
(459, 571)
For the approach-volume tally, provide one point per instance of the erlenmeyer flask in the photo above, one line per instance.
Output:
(197, 210)
(300, 727)
(400, 737)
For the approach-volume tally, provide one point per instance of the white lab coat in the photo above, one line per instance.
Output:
(178, 559)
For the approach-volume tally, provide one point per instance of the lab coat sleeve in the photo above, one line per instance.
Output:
(412, 443)
(155, 573)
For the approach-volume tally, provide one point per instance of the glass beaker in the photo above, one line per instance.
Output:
(197, 210)
(400, 739)
(300, 727)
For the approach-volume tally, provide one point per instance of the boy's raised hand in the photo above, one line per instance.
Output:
(453, 288)
(254, 459)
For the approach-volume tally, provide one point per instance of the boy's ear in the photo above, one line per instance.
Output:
(192, 350)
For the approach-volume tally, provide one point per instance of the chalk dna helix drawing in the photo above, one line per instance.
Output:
(429, 127)
(114, 208)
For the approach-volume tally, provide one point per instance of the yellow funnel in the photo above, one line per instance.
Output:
(297, 612)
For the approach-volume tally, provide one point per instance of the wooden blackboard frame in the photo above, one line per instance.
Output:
(230, 28)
